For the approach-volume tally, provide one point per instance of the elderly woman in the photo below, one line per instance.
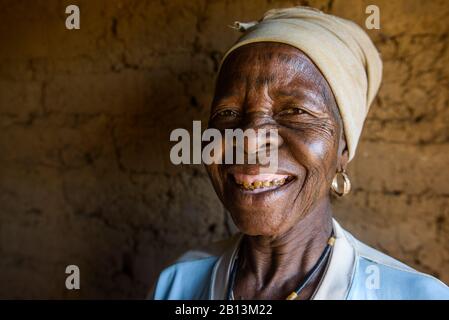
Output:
(311, 76)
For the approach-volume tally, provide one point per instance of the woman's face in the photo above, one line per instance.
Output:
(276, 86)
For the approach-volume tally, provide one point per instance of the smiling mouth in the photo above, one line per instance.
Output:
(261, 182)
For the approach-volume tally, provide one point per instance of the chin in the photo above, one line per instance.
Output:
(259, 222)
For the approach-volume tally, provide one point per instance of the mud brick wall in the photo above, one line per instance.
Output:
(85, 117)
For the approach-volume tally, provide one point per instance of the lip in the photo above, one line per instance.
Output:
(254, 169)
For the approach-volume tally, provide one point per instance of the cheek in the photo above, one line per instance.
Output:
(316, 152)
(318, 149)
(310, 149)
(321, 143)
(322, 155)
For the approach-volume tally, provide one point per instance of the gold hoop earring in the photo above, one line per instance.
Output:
(346, 184)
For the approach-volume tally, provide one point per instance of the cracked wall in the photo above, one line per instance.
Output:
(85, 118)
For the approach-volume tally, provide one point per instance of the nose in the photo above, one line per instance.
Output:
(261, 135)
(261, 140)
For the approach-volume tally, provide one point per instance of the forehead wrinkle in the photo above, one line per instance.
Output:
(301, 67)
(260, 64)
(281, 68)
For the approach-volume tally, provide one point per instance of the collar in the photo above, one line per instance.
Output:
(334, 285)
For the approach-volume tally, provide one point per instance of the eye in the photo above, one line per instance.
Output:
(292, 111)
(226, 113)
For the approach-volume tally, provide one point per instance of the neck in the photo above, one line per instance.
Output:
(282, 261)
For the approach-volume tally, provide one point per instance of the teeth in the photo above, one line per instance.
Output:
(261, 184)
(266, 184)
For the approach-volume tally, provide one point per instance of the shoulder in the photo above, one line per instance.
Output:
(379, 276)
(190, 275)
(187, 279)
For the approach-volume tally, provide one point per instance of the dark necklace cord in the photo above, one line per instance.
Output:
(309, 276)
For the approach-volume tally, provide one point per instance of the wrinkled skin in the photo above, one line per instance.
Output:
(271, 85)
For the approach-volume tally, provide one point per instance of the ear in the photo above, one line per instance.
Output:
(343, 154)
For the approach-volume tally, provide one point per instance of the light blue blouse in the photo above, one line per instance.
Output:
(355, 272)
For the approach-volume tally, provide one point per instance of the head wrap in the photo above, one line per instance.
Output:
(340, 49)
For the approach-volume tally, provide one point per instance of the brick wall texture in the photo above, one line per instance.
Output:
(85, 118)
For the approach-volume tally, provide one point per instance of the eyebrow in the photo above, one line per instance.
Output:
(281, 92)
(301, 95)
(324, 91)
(290, 93)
